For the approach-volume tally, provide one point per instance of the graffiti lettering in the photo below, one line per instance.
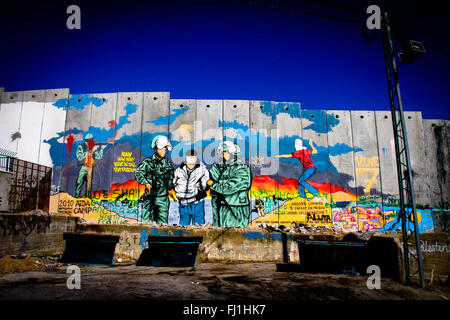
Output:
(318, 217)
(158, 232)
(368, 165)
(436, 247)
(370, 181)
(267, 236)
(125, 163)
(15, 225)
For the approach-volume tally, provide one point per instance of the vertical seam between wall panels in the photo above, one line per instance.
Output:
(20, 120)
(115, 135)
(419, 123)
(379, 167)
(169, 137)
(328, 171)
(139, 214)
(249, 160)
(354, 169)
(223, 123)
(42, 124)
(63, 149)
(273, 110)
(39, 152)
(193, 140)
(114, 140)
(142, 124)
(168, 114)
(301, 119)
(90, 115)
(300, 109)
(142, 121)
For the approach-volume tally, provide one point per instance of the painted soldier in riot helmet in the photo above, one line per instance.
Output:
(156, 173)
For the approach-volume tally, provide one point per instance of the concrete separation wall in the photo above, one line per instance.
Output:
(317, 167)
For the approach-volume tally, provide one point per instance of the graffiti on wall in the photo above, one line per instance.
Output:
(24, 224)
(141, 157)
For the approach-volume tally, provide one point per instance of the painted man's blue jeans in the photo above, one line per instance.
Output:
(302, 184)
(192, 212)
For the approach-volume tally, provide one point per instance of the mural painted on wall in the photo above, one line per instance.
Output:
(135, 157)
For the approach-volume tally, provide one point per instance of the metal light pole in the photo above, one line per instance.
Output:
(405, 181)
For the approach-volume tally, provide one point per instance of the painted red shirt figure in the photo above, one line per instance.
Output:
(305, 157)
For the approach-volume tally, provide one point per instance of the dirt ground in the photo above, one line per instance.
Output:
(37, 278)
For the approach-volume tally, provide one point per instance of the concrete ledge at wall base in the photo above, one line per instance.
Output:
(34, 232)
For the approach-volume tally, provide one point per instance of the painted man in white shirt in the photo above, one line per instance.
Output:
(190, 188)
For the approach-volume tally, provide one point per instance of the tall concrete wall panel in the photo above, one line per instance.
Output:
(78, 121)
(342, 169)
(388, 162)
(366, 154)
(340, 145)
(431, 160)
(182, 127)
(103, 119)
(155, 120)
(10, 113)
(263, 165)
(414, 129)
(314, 129)
(31, 125)
(127, 145)
(236, 117)
(208, 130)
(444, 157)
(53, 126)
(289, 125)
(367, 170)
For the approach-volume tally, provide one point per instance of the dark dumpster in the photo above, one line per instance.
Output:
(170, 251)
(84, 248)
(332, 256)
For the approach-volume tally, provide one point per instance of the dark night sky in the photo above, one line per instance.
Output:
(224, 49)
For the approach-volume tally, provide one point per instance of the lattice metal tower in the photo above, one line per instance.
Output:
(407, 212)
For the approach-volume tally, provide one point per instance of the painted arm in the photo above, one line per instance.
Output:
(175, 177)
(98, 153)
(204, 179)
(214, 173)
(283, 156)
(239, 182)
(141, 173)
(314, 150)
(81, 155)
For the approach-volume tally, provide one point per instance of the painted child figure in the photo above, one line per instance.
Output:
(303, 154)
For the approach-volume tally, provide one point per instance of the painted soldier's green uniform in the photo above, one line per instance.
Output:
(229, 193)
(86, 154)
(159, 174)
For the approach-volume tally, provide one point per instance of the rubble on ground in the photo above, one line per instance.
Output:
(26, 262)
